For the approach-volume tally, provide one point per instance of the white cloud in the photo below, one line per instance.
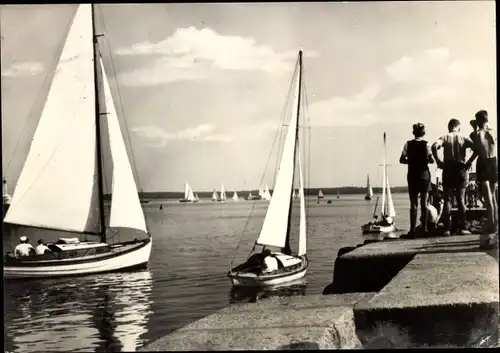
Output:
(432, 81)
(158, 137)
(193, 54)
(23, 69)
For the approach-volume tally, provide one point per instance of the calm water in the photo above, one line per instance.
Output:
(186, 280)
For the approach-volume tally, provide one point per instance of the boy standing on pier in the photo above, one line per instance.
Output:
(487, 174)
(454, 169)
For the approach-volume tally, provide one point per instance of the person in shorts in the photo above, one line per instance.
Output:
(417, 155)
(486, 172)
(455, 174)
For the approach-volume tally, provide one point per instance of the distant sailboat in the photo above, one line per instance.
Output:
(388, 213)
(6, 197)
(197, 199)
(222, 196)
(60, 189)
(188, 194)
(338, 193)
(215, 196)
(250, 196)
(276, 230)
(320, 194)
(295, 194)
(369, 190)
(261, 192)
(266, 195)
(235, 196)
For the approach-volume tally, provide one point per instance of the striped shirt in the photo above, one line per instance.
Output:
(454, 146)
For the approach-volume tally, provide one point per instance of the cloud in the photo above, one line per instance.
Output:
(432, 82)
(158, 137)
(193, 54)
(23, 69)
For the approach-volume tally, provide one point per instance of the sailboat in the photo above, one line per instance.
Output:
(59, 193)
(369, 190)
(215, 196)
(276, 229)
(222, 196)
(266, 195)
(295, 194)
(338, 193)
(320, 194)
(235, 196)
(6, 197)
(250, 196)
(387, 222)
(188, 194)
(196, 198)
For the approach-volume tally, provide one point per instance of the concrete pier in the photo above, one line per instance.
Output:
(436, 292)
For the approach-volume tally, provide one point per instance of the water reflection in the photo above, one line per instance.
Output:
(252, 294)
(103, 313)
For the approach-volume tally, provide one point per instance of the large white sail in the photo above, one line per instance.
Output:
(266, 195)
(302, 225)
(235, 196)
(214, 196)
(126, 210)
(274, 229)
(261, 192)
(57, 187)
(391, 212)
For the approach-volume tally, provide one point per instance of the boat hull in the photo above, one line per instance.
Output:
(188, 201)
(121, 258)
(372, 228)
(244, 279)
(367, 198)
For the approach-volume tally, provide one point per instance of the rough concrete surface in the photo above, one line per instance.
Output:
(448, 299)
(370, 267)
(298, 322)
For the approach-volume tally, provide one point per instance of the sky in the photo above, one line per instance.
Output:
(200, 88)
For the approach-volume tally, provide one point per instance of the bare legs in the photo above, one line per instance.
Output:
(460, 195)
(413, 211)
(490, 199)
(423, 209)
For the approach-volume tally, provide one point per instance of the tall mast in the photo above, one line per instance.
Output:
(286, 249)
(386, 207)
(98, 128)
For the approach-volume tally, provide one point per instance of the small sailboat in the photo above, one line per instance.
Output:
(249, 197)
(338, 193)
(215, 196)
(6, 197)
(295, 194)
(59, 193)
(266, 195)
(261, 193)
(188, 194)
(369, 190)
(320, 194)
(222, 196)
(235, 196)
(196, 198)
(276, 229)
(387, 222)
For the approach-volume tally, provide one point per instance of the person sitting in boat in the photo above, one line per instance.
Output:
(42, 248)
(25, 248)
(269, 262)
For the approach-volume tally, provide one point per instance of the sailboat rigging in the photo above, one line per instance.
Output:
(387, 222)
(60, 189)
(276, 229)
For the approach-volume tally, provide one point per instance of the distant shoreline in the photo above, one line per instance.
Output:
(349, 190)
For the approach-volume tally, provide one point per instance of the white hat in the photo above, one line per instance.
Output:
(23, 238)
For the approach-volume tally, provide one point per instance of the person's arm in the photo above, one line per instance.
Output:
(430, 159)
(470, 144)
(404, 154)
(32, 250)
(435, 146)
